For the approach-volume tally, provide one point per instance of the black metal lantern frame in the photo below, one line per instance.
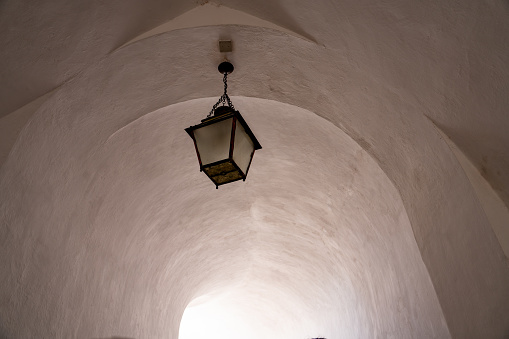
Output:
(224, 143)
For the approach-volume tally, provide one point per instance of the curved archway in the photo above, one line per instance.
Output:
(301, 251)
(92, 119)
(330, 245)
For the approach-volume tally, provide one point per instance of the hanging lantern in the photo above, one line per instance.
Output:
(223, 141)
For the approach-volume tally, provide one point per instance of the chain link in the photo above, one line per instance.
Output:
(224, 99)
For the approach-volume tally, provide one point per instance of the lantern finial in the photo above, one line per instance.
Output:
(225, 67)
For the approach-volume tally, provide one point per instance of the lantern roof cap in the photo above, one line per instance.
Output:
(230, 114)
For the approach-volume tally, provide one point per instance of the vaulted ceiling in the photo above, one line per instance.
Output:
(357, 219)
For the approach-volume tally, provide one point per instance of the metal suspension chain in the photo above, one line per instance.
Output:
(224, 99)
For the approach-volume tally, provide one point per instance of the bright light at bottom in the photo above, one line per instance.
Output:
(215, 319)
(250, 313)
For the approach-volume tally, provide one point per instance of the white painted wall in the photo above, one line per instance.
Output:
(315, 242)
(495, 209)
(99, 232)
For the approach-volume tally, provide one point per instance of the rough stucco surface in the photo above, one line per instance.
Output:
(495, 209)
(83, 183)
(316, 239)
(449, 57)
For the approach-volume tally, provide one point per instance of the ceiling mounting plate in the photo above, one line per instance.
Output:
(225, 46)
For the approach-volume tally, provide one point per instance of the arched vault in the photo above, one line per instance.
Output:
(356, 220)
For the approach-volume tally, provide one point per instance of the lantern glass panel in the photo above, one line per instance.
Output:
(243, 148)
(213, 141)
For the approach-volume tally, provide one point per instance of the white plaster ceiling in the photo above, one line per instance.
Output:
(450, 58)
(296, 244)
(109, 229)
